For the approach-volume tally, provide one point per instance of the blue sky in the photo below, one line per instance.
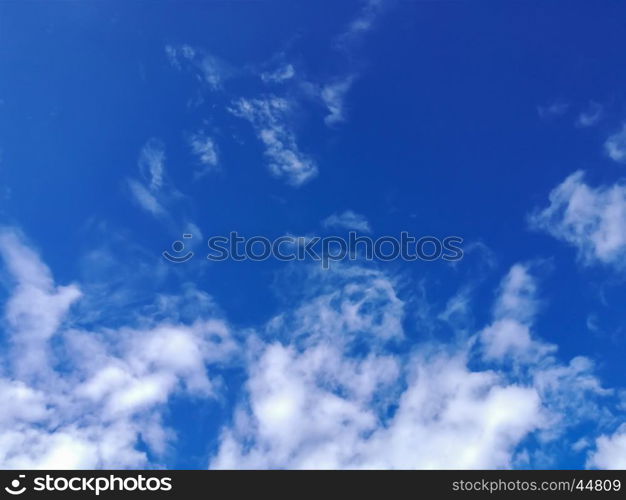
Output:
(124, 125)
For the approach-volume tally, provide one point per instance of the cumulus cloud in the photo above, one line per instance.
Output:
(97, 398)
(332, 381)
(610, 451)
(268, 116)
(348, 220)
(36, 308)
(615, 146)
(592, 219)
(333, 393)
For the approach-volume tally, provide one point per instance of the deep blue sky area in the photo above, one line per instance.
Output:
(451, 118)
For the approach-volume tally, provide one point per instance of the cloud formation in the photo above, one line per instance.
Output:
(347, 220)
(268, 116)
(326, 385)
(553, 110)
(592, 219)
(333, 94)
(208, 68)
(75, 398)
(331, 393)
(590, 116)
(204, 149)
(615, 146)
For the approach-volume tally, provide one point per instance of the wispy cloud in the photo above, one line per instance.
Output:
(552, 110)
(145, 198)
(348, 220)
(362, 23)
(333, 94)
(590, 116)
(268, 115)
(615, 146)
(209, 69)
(204, 149)
(281, 74)
(151, 164)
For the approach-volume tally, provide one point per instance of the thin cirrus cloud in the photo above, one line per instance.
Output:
(362, 23)
(203, 147)
(151, 164)
(145, 198)
(552, 110)
(615, 146)
(279, 75)
(209, 69)
(268, 115)
(333, 94)
(347, 220)
(590, 116)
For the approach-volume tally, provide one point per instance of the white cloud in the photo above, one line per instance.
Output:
(592, 219)
(516, 298)
(203, 147)
(36, 308)
(332, 393)
(610, 451)
(348, 220)
(176, 54)
(285, 72)
(591, 116)
(209, 69)
(149, 193)
(553, 110)
(145, 198)
(509, 336)
(615, 146)
(333, 94)
(362, 23)
(326, 383)
(92, 400)
(152, 163)
(269, 116)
